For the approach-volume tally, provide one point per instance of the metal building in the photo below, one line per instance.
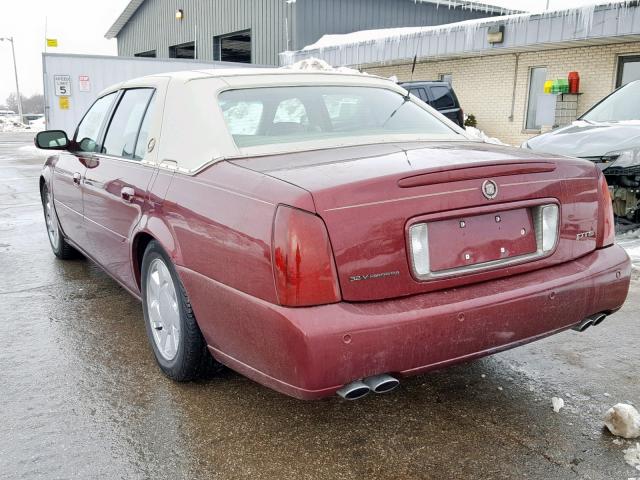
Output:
(256, 31)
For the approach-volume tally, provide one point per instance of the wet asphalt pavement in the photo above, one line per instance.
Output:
(81, 396)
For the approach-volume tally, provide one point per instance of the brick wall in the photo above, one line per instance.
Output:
(484, 85)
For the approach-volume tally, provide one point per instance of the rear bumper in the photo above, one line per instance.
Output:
(311, 352)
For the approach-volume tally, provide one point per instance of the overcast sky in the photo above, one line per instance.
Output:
(80, 25)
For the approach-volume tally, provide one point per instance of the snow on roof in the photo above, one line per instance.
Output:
(393, 41)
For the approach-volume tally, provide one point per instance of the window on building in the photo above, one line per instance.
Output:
(446, 77)
(184, 50)
(628, 70)
(537, 77)
(148, 53)
(233, 47)
(122, 134)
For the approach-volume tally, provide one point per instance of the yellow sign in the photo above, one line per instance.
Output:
(64, 103)
(52, 42)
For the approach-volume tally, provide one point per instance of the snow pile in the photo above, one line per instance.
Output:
(557, 403)
(318, 65)
(630, 241)
(12, 124)
(623, 420)
(37, 125)
(632, 456)
(480, 135)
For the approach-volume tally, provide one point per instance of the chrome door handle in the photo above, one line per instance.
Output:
(127, 194)
(76, 178)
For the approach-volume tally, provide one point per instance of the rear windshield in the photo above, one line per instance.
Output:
(271, 115)
(622, 105)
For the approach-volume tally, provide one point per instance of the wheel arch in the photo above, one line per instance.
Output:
(155, 230)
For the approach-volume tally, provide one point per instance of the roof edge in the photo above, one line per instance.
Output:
(123, 19)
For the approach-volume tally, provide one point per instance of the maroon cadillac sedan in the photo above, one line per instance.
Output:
(324, 232)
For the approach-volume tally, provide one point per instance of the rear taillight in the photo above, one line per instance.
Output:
(303, 265)
(606, 226)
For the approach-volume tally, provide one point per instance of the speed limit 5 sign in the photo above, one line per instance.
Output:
(62, 85)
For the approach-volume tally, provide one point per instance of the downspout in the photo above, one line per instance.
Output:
(515, 84)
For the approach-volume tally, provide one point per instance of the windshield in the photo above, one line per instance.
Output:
(271, 115)
(621, 105)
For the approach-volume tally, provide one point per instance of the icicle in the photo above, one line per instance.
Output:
(388, 44)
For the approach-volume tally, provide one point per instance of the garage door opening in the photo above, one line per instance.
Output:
(233, 47)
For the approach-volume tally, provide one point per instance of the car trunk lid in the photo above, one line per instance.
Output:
(481, 204)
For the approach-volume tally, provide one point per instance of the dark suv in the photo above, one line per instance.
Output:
(440, 96)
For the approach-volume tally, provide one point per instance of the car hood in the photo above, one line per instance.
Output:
(585, 139)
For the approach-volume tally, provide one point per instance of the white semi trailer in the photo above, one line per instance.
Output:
(72, 82)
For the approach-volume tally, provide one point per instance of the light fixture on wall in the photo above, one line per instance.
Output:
(495, 34)
(179, 14)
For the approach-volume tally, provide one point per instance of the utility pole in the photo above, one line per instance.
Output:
(15, 71)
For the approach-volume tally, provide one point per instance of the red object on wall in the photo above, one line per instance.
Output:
(574, 82)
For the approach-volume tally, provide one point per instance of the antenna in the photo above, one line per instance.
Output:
(413, 67)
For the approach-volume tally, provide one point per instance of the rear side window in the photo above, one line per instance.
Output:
(421, 93)
(86, 136)
(122, 134)
(141, 144)
(442, 97)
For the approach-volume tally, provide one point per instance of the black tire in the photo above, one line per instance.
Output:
(59, 245)
(192, 357)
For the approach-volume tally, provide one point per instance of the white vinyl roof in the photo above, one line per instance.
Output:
(194, 133)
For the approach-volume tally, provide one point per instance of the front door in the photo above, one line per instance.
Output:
(116, 183)
(70, 169)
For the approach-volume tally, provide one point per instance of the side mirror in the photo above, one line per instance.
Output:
(52, 140)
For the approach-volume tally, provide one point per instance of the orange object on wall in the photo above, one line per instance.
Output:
(574, 82)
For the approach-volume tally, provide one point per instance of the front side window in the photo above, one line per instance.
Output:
(86, 137)
(621, 105)
(122, 133)
(279, 115)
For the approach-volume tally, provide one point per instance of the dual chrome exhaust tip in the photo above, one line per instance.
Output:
(382, 383)
(591, 321)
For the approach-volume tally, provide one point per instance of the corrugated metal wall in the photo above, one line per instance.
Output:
(154, 27)
(315, 18)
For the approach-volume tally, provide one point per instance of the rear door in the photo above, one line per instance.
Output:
(442, 99)
(71, 167)
(116, 182)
